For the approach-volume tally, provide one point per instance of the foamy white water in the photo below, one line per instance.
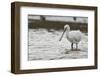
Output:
(44, 45)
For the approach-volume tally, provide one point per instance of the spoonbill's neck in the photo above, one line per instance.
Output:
(67, 32)
(67, 29)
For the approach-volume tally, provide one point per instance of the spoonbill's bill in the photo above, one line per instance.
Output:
(74, 36)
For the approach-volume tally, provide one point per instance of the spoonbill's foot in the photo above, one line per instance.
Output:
(72, 49)
(75, 49)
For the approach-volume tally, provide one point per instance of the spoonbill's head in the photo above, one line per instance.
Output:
(66, 27)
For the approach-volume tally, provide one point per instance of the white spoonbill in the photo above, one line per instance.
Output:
(73, 36)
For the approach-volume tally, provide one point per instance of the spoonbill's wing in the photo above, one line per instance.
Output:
(74, 36)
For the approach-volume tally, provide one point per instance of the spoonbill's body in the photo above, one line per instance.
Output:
(73, 36)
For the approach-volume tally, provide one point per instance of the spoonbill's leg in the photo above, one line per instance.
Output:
(76, 46)
(72, 46)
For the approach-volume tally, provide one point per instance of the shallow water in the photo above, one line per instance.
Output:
(45, 45)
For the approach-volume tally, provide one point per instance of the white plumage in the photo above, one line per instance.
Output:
(73, 36)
